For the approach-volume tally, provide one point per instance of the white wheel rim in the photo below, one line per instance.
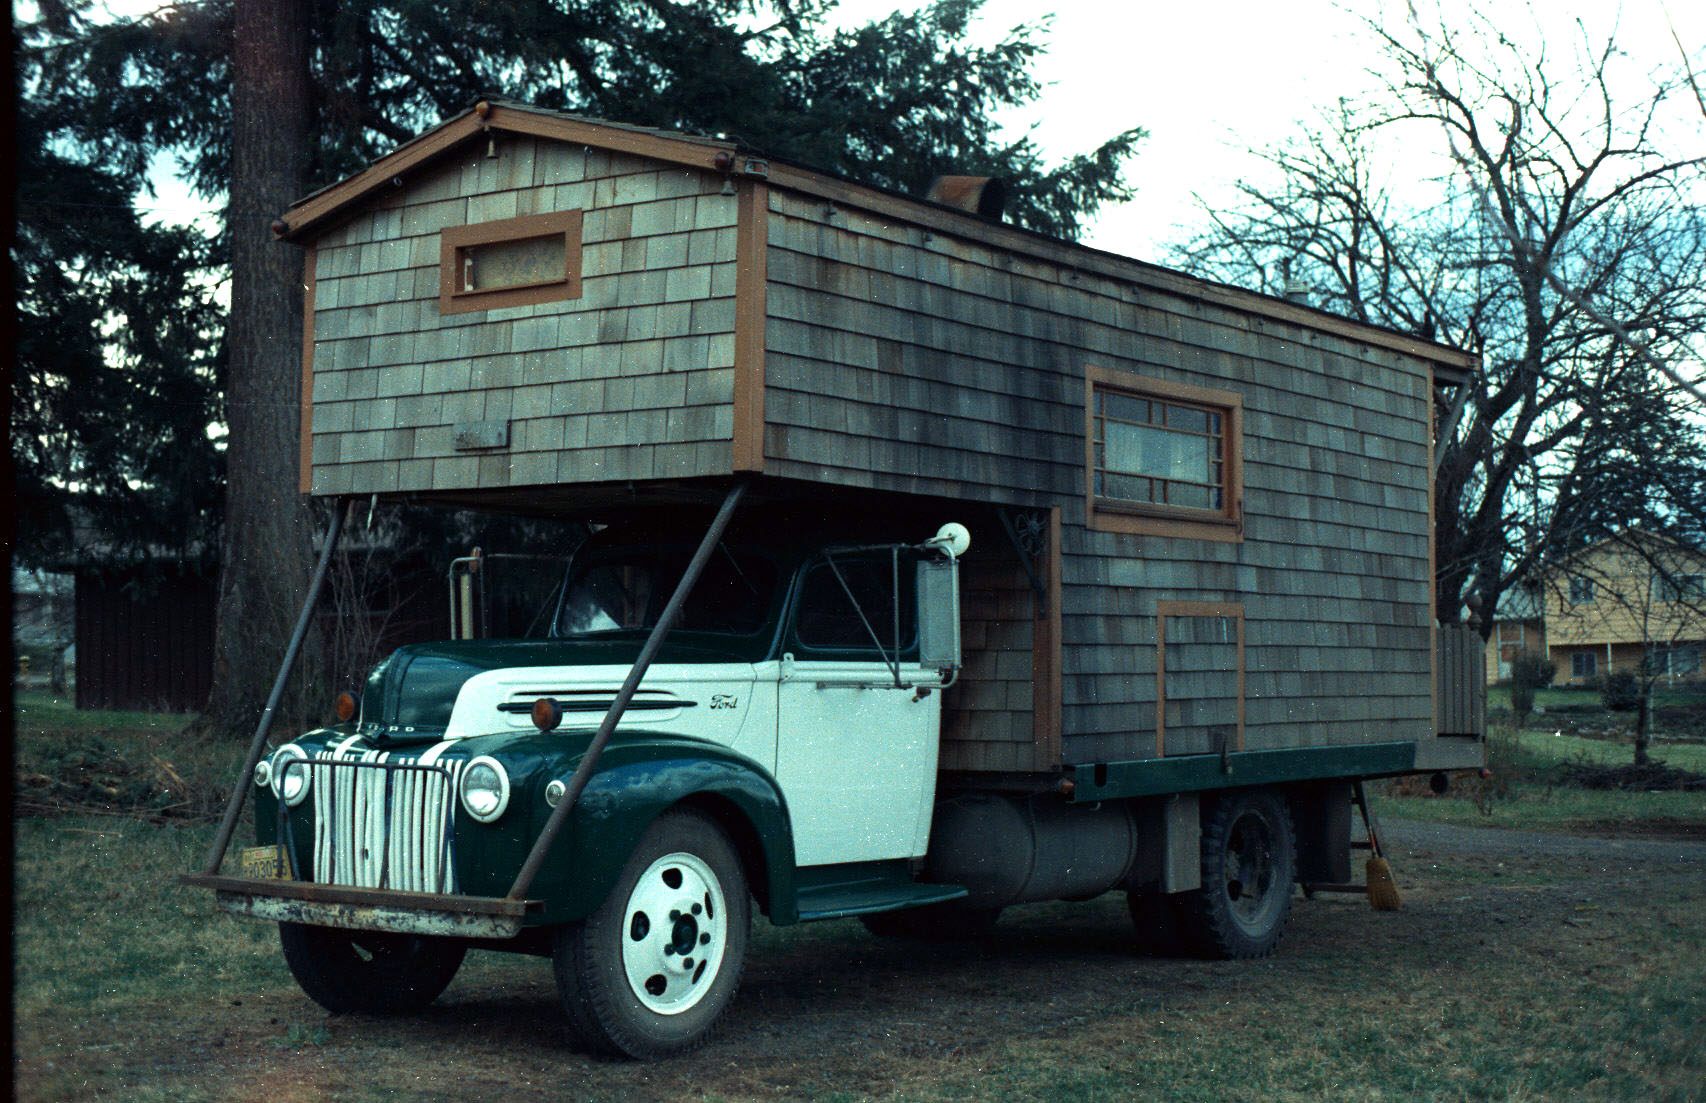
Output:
(674, 933)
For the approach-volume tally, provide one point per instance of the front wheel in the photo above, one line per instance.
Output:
(1249, 861)
(651, 971)
(369, 971)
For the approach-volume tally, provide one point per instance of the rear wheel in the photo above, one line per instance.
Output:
(369, 971)
(1249, 861)
(651, 971)
(951, 921)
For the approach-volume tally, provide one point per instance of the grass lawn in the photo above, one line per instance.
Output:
(1574, 699)
(1526, 791)
(1506, 975)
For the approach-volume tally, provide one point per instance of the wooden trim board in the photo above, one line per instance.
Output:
(305, 458)
(310, 212)
(1433, 570)
(1141, 519)
(752, 247)
(1163, 610)
(453, 239)
(1046, 700)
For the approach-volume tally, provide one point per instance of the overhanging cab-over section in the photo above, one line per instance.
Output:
(1208, 513)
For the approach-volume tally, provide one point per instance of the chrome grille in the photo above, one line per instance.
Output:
(384, 821)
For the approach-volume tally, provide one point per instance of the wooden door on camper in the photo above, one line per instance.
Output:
(1199, 680)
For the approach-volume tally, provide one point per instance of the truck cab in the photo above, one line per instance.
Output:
(788, 726)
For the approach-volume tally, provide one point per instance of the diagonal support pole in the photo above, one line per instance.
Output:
(589, 761)
(234, 808)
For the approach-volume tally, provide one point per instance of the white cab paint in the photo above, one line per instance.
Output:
(857, 759)
(716, 702)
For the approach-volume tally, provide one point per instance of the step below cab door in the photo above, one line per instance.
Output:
(856, 756)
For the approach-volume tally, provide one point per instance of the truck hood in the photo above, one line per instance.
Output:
(410, 696)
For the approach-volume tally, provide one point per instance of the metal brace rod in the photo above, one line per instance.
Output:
(589, 762)
(234, 808)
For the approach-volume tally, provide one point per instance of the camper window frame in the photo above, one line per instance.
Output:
(1106, 514)
(455, 241)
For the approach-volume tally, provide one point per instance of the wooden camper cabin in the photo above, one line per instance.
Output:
(546, 312)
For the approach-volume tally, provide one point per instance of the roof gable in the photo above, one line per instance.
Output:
(315, 212)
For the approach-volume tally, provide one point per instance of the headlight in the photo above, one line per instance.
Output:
(289, 785)
(263, 774)
(485, 789)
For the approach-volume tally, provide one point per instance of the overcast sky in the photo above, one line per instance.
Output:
(1212, 79)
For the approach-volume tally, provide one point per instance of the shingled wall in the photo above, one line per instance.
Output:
(910, 360)
(632, 380)
(920, 355)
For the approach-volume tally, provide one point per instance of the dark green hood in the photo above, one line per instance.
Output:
(410, 695)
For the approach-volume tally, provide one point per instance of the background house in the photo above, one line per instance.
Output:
(1631, 598)
(1517, 627)
(42, 625)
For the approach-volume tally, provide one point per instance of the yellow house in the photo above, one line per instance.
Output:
(1630, 597)
(1517, 628)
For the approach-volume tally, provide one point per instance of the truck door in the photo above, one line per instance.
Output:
(856, 757)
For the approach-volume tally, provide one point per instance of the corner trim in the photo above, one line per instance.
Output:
(305, 456)
(752, 246)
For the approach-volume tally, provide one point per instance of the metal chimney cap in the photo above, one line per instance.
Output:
(984, 196)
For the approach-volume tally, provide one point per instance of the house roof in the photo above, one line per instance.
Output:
(1518, 603)
(1629, 538)
(313, 213)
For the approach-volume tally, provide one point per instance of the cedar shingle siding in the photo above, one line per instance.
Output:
(898, 356)
(632, 380)
(912, 361)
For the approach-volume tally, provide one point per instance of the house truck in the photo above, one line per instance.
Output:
(934, 566)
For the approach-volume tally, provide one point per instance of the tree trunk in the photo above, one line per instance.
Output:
(1643, 723)
(267, 549)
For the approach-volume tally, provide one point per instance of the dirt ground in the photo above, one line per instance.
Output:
(1496, 926)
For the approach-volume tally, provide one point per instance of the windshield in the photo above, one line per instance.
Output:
(625, 589)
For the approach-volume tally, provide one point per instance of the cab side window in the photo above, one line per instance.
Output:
(828, 621)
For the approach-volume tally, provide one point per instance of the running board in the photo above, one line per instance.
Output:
(864, 888)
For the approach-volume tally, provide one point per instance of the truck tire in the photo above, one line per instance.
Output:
(649, 973)
(371, 972)
(1249, 861)
(953, 921)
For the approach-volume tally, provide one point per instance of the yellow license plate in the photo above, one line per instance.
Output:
(264, 862)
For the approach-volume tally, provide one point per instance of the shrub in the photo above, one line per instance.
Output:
(1535, 667)
(1529, 672)
(1620, 691)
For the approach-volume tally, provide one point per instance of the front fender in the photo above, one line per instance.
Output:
(640, 776)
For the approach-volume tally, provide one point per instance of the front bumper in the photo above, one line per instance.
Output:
(361, 909)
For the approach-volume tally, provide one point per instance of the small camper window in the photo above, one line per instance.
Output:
(510, 262)
(1162, 458)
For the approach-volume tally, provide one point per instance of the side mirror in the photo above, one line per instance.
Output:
(939, 613)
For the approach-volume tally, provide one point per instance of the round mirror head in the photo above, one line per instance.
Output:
(953, 538)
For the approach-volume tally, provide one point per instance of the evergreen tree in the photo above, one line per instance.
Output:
(893, 103)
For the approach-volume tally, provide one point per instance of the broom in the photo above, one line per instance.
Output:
(1382, 889)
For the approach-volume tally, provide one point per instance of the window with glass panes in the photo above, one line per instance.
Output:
(1161, 458)
(1160, 452)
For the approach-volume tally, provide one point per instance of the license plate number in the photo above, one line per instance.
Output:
(264, 862)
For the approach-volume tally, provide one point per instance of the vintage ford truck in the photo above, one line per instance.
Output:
(935, 567)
